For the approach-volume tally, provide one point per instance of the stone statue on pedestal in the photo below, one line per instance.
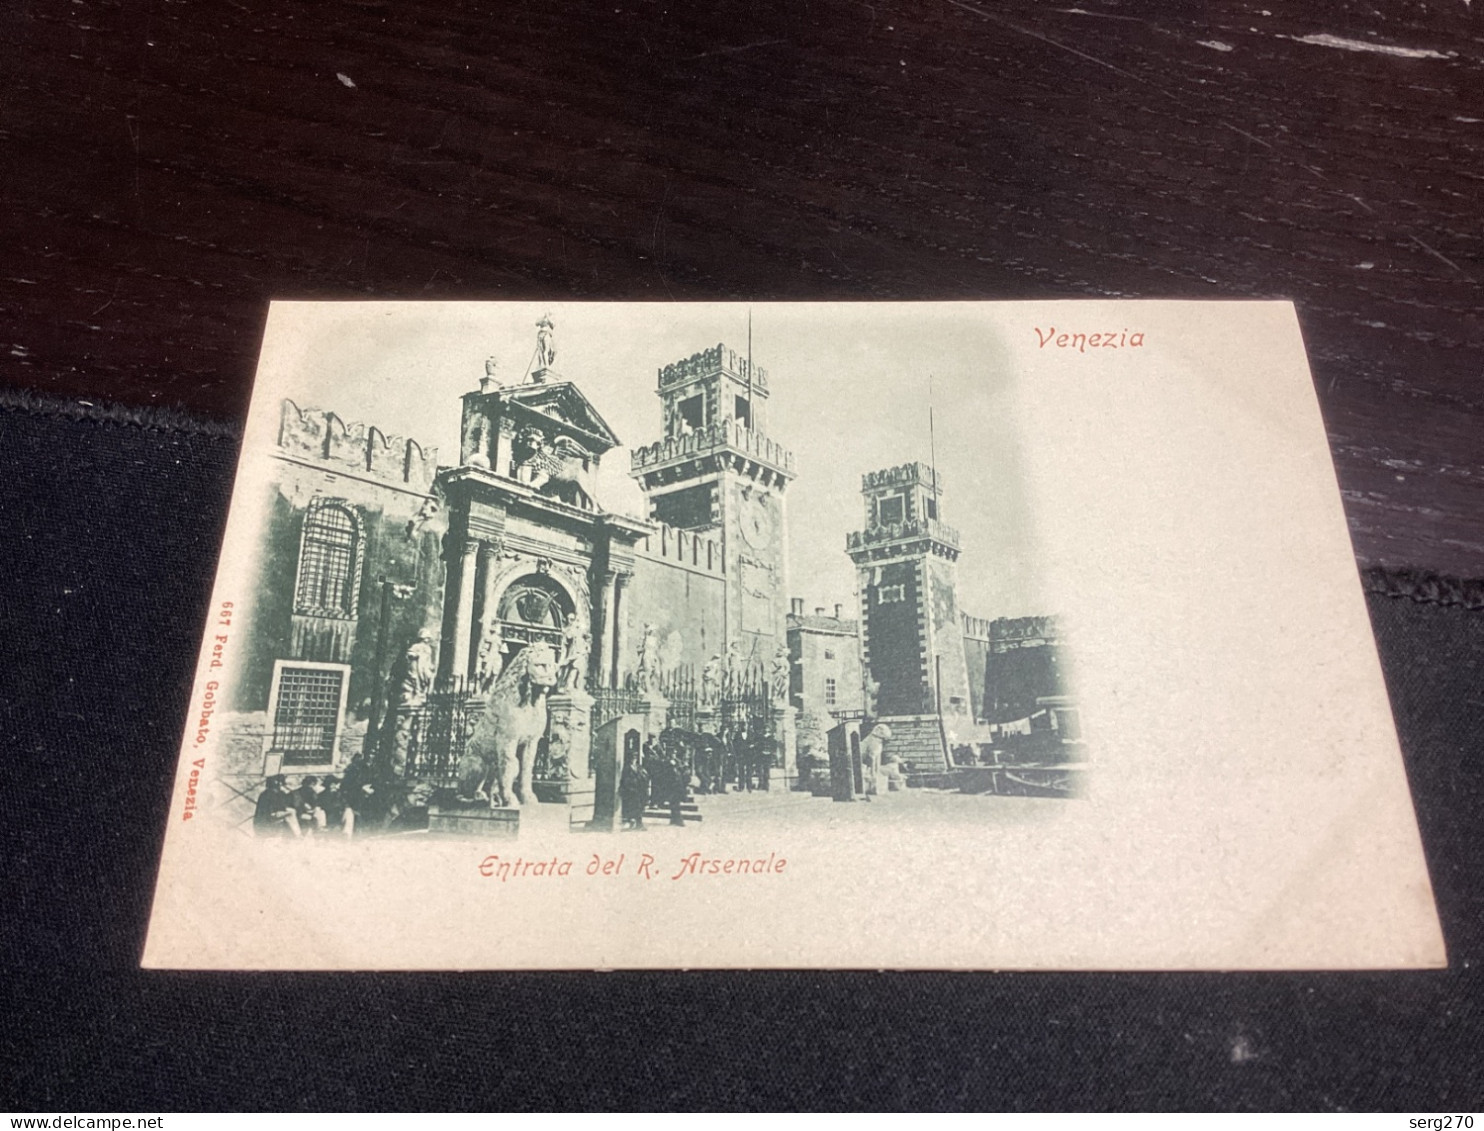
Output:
(545, 343)
(421, 665)
(779, 673)
(731, 671)
(649, 660)
(871, 753)
(576, 646)
(488, 381)
(711, 675)
(502, 749)
(491, 653)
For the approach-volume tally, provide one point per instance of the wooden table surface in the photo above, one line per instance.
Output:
(169, 167)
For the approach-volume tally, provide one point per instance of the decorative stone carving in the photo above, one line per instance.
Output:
(491, 656)
(558, 467)
(733, 669)
(545, 346)
(871, 753)
(477, 440)
(421, 664)
(429, 516)
(570, 736)
(576, 647)
(502, 750)
(711, 676)
(649, 659)
(779, 673)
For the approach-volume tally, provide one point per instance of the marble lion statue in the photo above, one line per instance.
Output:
(502, 748)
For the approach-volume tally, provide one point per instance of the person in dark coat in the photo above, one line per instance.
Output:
(677, 787)
(633, 793)
(709, 763)
(332, 802)
(742, 759)
(364, 800)
(306, 804)
(275, 814)
(762, 762)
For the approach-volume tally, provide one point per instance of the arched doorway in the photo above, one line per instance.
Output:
(532, 609)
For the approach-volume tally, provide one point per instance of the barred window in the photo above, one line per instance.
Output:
(829, 693)
(329, 557)
(307, 712)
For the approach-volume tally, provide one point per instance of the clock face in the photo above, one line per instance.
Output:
(757, 525)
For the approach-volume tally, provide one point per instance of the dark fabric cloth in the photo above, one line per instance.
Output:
(633, 794)
(332, 801)
(269, 812)
(111, 531)
(306, 802)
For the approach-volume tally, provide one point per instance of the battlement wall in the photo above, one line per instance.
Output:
(320, 436)
(976, 628)
(903, 475)
(684, 548)
(717, 359)
(700, 441)
(1008, 633)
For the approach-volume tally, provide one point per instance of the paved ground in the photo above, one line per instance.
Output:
(774, 807)
(733, 810)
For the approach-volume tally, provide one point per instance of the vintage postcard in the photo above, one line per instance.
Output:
(914, 635)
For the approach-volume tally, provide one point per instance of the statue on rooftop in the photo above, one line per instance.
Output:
(545, 343)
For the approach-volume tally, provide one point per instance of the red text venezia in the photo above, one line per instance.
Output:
(1084, 340)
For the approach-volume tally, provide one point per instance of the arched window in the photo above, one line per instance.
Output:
(329, 560)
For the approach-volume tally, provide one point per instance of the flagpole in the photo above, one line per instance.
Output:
(932, 443)
(749, 370)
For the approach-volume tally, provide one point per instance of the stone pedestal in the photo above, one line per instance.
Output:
(568, 732)
(846, 780)
(657, 708)
(569, 735)
(401, 742)
(708, 719)
(474, 819)
(613, 741)
(785, 732)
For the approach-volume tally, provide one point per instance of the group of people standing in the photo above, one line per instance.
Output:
(662, 775)
(734, 761)
(652, 776)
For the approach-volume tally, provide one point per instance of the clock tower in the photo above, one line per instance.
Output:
(716, 472)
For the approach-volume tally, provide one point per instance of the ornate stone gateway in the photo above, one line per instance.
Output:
(533, 561)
